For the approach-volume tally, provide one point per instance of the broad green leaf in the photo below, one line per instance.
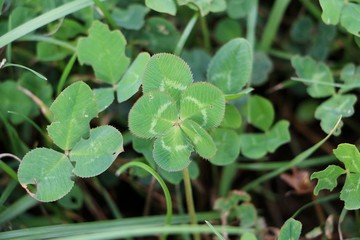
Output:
(104, 97)
(104, 50)
(12, 99)
(152, 115)
(351, 191)
(49, 52)
(256, 145)
(132, 79)
(204, 104)
(227, 29)
(350, 74)
(331, 11)
(247, 214)
(232, 118)
(262, 66)
(201, 140)
(327, 178)
(278, 135)
(227, 142)
(72, 112)
(357, 40)
(259, 112)
(230, 68)
(350, 18)
(131, 18)
(172, 150)
(238, 8)
(291, 230)
(315, 74)
(159, 35)
(48, 171)
(163, 6)
(167, 73)
(330, 111)
(350, 156)
(95, 154)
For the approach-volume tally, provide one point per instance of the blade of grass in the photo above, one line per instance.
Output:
(312, 203)
(29, 69)
(7, 191)
(273, 23)
(39, 38)
(158, 178)
(106, 13)
(19, 207)
(43, 19)
(294, 162)
(63, 230)
(65, 74)
(214, 230)
(185, 34)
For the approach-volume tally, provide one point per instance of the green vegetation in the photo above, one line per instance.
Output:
(179, 119)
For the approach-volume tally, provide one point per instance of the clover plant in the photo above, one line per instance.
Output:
(176, 112)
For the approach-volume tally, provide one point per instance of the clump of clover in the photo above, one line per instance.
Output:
(176, 112)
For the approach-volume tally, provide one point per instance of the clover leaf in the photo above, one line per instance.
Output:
(349, 155)
(46, 174)
(104, 50)
(176, 112)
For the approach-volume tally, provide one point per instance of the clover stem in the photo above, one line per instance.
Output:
(190, 201)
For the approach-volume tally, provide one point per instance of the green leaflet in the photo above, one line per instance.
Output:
(133, 17)
(172, 151)
(104, 97)
(132, 79)
(202, 141)
(204, 104)
(259, 112)
(350, 74)
(227, 142)
(315, 74)
(48, 171)
(167, 72)
(94, 155)
(256, 145)
(329, 111)
(163, 6)
(232, 118)
(350, 18)
(72, 112)
(104, 50)
(230, 69)
(331, 11)
(327, 178)
(291, 230)
(152, 115)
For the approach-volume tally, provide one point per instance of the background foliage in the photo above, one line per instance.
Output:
(120, 117)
